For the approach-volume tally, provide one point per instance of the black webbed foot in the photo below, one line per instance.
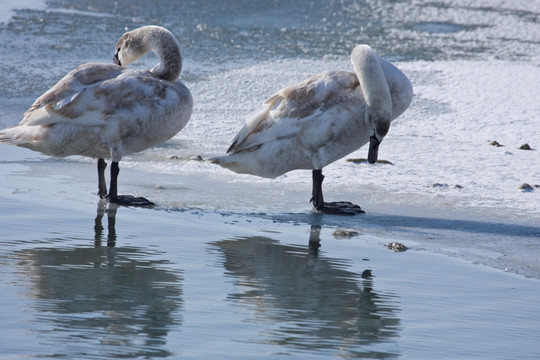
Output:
(336, 208)
(129, 200)
(340, 208)
(124, 200)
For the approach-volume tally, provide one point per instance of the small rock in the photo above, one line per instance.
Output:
(526, 187)
(345, 233)
(525, 147)
(395, 246)
(457, 186)
(366, 274)
(174, 157)
(495, 143)
(197, 158)
(439, 185)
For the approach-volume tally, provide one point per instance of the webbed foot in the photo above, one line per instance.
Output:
(340, 208)
(130, 200)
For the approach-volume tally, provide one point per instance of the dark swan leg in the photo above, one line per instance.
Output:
(127, 200)
(338, 208)
(102, 185)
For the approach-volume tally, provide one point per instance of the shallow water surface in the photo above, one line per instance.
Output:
(96, 282)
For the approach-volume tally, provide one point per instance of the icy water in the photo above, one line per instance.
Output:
(93, 282)
(229, 266)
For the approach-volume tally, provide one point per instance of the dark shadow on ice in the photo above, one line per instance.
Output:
(310, 302)
(469, 226)
(404, 223)
(121, 299)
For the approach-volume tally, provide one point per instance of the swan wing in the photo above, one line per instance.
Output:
(292, 108)
(65, 101)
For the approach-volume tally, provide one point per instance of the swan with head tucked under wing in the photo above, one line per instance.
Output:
(108, 111)
(320, 120)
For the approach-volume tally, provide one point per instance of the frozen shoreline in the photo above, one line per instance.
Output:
(440, 147)
(441, 141)
(504, 243)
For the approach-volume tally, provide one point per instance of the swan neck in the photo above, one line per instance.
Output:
(167, 49)
(367, 66)
(374, 85)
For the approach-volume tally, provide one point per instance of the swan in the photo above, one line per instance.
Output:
(108, 111)
(320, 120)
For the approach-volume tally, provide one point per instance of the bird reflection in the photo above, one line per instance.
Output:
(124, 300)
(111, 223)
(315, 239)
(313, 302)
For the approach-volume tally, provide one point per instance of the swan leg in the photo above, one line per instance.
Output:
(127, 200)
(338, 207)
(102, 185)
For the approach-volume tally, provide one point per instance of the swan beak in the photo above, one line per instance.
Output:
(373, 152)
(116, 60)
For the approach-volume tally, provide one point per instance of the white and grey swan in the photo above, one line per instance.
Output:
(320, 120)
(108, 111)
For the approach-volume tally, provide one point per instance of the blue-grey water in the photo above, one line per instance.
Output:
(99, 282)
(82, 280)
(39, 45)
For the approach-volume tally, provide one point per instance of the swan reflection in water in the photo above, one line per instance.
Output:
(311, 303)
(123, 300)
(111, 223)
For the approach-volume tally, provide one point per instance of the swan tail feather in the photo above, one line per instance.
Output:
(227, 163)
(18, 135)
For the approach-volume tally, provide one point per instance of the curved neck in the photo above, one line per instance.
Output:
(375, 89)
(164, 45)
(372, 79)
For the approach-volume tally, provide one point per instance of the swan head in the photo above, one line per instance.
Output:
(380, 129)
(130, 47)
(134, 44)
(374, 86)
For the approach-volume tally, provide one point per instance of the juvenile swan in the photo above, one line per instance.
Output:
(108, 111)
(320, 120)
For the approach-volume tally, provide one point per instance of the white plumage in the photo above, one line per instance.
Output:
(320, 120)
(108, 111)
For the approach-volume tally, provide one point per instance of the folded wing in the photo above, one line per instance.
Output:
(289, 111)
(67, 101)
